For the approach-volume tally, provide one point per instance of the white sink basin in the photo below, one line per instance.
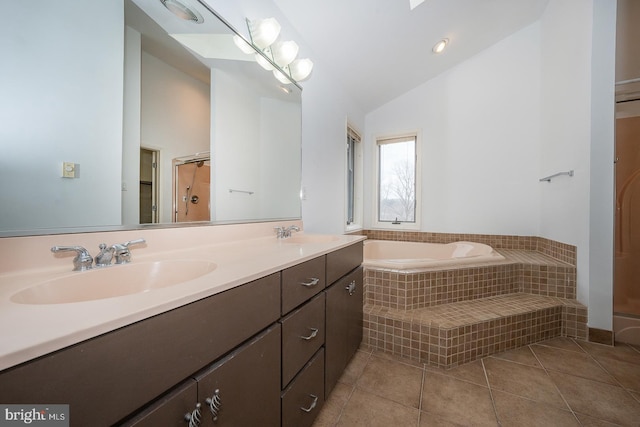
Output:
(114, 281)
(311, 238)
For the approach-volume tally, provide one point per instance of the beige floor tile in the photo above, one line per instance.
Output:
(571, 362)
(563, 343)
(620, 352)
(628, 374)
(368, 410)
(392, 380)
(334, 405)
(525, 381)
(599, 400)
(457, 401)
(520, 355)
(355, 367)
(588, 421)
(471, 372)
(430, 420)
(404, 360)
(517, 411)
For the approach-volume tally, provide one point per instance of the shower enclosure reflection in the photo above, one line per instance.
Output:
(192, 186)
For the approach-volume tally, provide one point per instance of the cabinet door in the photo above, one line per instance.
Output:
(243, 389)
(303, 399)
(343, 325)
(171, 410)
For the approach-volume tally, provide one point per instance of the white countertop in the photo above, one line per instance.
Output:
(28, 331)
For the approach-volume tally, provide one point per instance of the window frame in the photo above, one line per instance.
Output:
(376, 223)
(354, 198)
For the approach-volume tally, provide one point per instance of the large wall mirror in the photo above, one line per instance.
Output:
(118, 113)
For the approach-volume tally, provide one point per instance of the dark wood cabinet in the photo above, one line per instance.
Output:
(265, 353)
(243, 389)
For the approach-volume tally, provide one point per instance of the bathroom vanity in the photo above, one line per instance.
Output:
(264, 352)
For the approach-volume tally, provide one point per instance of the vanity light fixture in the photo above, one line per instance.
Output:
(284, 52)
(242, 44)
(440, 46)
(183, 10)
(264, 35)
(264, 32)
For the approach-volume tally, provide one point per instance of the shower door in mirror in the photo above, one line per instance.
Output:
(192, 190)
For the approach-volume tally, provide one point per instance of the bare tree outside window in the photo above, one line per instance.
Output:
(397, 180)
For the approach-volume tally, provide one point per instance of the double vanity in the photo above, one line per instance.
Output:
(222, 326)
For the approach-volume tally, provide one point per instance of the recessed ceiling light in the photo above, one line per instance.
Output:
(439, 47)
(183, 11)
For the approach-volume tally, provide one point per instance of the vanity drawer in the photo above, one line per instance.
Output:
(343, 261)
(302, 335)
(301, 282)
(169, 409)
(303, 399)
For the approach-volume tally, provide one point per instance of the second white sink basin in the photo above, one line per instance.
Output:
(114, 281)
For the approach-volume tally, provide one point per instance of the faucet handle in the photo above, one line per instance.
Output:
(122, 252)
(83, 259)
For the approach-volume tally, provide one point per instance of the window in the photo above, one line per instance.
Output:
(397, 185)
(354, 180)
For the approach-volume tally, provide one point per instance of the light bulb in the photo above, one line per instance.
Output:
(264, 32)
(439, 47)
(301, 69)
(284, 52)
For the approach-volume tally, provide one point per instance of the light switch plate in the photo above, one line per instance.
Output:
(68, 170)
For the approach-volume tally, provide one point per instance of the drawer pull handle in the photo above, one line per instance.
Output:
(313, 404)
(314, 332)
(214, 402)
(193, 417)
(314, 281)
(351, 288)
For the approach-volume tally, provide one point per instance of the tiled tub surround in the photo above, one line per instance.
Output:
(446, 317)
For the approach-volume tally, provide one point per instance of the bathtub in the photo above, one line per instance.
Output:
(396, 255)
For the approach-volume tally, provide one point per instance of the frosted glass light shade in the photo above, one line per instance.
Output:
(301, 69)
(284, 52)
(264, 32)
(243, 45)
(263, 62)
(281, 77)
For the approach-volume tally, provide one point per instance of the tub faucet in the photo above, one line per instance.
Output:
(83, 260)
(285, 232)
(121, 251)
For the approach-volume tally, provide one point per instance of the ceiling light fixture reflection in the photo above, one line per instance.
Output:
(243, 45)
(264, 32)
(300, 69)
(284, 52)
(183, 10)
(263, 62)
(440, 46)
(282, 78)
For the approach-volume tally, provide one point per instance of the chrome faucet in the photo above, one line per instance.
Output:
(103, 259)
(121, 250)
(83, 260)
(285, 232)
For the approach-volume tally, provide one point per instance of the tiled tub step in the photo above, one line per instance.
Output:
(451, 334)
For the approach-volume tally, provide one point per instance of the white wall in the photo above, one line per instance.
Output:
(61, 100)
(578, 133)
(480, 139)
(174, 118)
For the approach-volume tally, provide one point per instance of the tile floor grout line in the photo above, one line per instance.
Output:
(618, 383)
(353, 388)
(424, 374)
(546, 371)
(493, 402)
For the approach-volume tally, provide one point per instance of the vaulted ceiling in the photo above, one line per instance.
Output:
(380, 49)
